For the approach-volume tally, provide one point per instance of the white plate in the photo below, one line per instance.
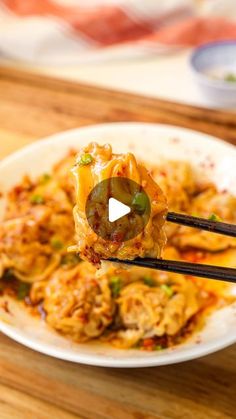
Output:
(150, 142)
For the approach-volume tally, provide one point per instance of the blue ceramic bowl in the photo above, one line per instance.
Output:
(210, 64)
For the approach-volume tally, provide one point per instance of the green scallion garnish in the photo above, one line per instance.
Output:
(168, 290)
(85, 159)
(158, 348)
(70, 259)
(149, 281)
(115, 285)
(45, 178)
(56, 243)
(140, 202)
(214, 217)
(23, 290)
(37, 199)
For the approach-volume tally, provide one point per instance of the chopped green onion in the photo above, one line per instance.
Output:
(56, 243)
(140, 202)
(149, 281)
(214, 217)
(168, 290)
(115, 285)
(230, 77)
(37, 199)
(196, 215)
(70, 259)
(158, 348)
(85, 159)
(45, 178)
(23, 290)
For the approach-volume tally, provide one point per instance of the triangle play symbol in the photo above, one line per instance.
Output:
(116, 210)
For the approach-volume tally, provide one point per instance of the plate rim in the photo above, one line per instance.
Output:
(112, 362)
(60, 134)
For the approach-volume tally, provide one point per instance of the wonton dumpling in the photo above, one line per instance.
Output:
(96, 163)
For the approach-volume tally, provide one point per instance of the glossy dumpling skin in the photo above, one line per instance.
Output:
(103, 164)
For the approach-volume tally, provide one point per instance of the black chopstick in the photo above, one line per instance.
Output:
(188, 268)
(202, 223)
(185, 268)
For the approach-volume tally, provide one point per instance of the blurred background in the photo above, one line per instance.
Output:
(141, 46)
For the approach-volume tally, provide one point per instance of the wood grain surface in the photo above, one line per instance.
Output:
(36, 386)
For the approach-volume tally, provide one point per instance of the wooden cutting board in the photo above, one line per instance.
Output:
(37, 386)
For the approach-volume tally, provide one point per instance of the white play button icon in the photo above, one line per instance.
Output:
(116, 210)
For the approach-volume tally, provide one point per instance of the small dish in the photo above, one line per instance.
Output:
(214, 69)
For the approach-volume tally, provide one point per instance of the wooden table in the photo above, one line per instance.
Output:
(36, 386)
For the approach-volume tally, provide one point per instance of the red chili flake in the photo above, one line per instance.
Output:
(148, 343)
(175, 140)
(191, 278)
(163, 174)
(192, 256)
(118, 236)
(18, 189)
